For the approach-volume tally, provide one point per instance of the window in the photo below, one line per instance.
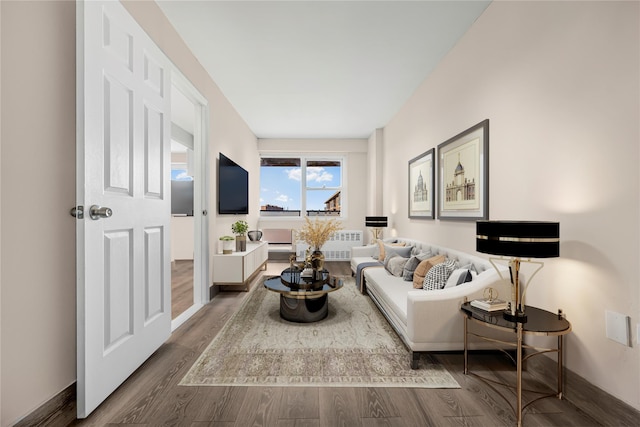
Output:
(323, 187)
(295, 186)
(179, 172)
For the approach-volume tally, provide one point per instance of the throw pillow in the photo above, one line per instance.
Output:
(402, 250)
(383, 247)
(437, 276)
(387, 259)
(377, 243)
(412, 263)
(469, 266)
(459, 276)
(394, 264)
(423, 268)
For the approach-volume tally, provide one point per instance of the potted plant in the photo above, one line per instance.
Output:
(227, 244)
(240, 229)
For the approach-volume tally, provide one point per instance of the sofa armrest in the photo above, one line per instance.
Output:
(434, 316)
(363, 251)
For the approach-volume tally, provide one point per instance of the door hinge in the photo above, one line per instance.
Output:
(77, 212)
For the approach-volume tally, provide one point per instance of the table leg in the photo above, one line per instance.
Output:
(466, 356)
(560, 379)
(519, 375)
(304, 310)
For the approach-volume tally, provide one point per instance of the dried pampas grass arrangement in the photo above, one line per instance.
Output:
(316, 233)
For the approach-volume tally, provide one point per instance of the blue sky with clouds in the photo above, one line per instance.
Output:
(281, 186)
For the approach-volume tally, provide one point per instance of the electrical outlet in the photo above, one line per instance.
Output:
(617, 327)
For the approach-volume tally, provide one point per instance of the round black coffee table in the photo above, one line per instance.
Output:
(303, 299)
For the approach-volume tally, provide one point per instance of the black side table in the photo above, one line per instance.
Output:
(539, 322)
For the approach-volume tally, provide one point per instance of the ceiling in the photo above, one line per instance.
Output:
(319, 69)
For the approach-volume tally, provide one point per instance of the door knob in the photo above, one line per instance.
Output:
(97, 212)
(77, 212)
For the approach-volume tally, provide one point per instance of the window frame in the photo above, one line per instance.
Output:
(304, 189)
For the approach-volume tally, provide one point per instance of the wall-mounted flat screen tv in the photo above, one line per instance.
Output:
(233, 187)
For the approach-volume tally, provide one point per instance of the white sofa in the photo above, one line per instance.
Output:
(428, 320)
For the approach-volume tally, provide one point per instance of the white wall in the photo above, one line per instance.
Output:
(0, 217)
(38, 190)
(559, 82)
(248, 158)
(374, 172)
(355, 153)
(182, 238)
(37, 176)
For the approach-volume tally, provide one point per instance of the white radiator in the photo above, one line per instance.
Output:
(337, 248)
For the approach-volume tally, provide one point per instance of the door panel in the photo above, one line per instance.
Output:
(118, 136)
(155, 304)
(154, 76)
(118, 283)
(154, 173)
(124, 275)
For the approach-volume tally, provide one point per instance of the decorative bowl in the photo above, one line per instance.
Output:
(255, 235)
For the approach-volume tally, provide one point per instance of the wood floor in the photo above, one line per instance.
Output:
(152, 396)
(181, 286)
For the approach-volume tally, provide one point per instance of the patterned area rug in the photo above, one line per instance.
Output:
(353, 347)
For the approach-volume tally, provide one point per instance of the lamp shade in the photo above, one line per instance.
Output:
(526, 239)
(376, 221)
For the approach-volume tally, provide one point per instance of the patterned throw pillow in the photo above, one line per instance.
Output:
(423, 268)
(437, 277)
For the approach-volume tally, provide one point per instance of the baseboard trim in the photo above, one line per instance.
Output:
(57, 411)
(585, 396)
(184, 316)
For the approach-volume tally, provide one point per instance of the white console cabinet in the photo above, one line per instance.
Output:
(238, 268)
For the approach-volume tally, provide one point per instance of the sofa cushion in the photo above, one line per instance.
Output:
(391, 291)
(423, 268)
(460, 276)
(394, 264)
(412, 263)
(360, 260)
(437, 276)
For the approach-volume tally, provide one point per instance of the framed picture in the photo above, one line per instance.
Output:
(421, 186)
(463, 175)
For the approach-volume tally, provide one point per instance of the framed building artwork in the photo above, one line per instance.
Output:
(463, 175)
(421, 186)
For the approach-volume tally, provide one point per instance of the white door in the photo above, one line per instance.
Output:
(123, 161)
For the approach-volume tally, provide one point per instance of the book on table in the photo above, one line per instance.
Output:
(490, 304)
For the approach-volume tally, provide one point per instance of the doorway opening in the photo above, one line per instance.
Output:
(189, 196)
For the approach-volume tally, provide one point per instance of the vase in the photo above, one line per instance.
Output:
(255, 235)
(317, 260)
(241, 243)
(227, 247)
